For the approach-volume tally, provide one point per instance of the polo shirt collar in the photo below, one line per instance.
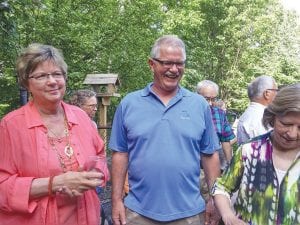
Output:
(182, 92)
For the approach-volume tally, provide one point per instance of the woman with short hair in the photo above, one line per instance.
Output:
(49, 150)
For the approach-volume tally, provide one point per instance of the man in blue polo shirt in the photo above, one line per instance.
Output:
(160, 134)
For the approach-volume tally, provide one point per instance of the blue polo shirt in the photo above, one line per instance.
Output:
(164, 144)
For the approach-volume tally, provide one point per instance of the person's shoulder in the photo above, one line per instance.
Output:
(187, 94)
(134, 95)
(261, 138)
(257, 142)
(17, 113)
(20, 118)
(253, 109)
(218, 110)
(72, 108)
(75, 113)
(247, 115)
(250, 119)
(218, 113)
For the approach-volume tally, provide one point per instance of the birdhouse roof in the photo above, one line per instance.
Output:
(109, 78)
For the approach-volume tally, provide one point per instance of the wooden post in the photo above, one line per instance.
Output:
(104, 103)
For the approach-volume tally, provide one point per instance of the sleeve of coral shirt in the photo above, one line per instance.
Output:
(102, 164)
(14, 189)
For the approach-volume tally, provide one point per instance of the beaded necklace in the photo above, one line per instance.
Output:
(59, 156)
(68, 150)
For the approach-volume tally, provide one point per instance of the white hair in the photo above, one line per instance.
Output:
(257, 87)
(167, 40)
(207, 83)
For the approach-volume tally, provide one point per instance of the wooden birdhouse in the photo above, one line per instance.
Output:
(104, 84)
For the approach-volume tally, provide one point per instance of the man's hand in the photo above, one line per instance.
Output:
(118, 213)
(212, 216)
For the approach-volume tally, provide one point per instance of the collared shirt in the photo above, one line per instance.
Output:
(25, 155)
(250, 123)
(222, 126)
(164, 145)
(262, 199)
(223, 130)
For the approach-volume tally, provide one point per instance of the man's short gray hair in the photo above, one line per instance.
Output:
(167, 40)
(257, 87)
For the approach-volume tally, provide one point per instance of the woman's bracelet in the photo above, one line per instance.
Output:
(50, 184)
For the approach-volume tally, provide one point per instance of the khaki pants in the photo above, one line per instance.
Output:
(133, 218)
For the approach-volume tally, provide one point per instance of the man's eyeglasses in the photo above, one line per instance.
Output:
(44, 76)
(273, 89)
(169, 64)
(211, 99)
(92, 106)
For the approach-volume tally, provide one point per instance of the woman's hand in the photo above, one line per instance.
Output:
(76, 183)
(227, 213)
(231, 219)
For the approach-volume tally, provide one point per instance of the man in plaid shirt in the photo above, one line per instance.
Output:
(209, 90)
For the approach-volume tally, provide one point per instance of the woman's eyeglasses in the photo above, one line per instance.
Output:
(46, 76)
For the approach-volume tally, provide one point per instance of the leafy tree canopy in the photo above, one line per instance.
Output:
(230, 41)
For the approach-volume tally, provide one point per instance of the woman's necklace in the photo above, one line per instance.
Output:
(68, 150)
(60, 158)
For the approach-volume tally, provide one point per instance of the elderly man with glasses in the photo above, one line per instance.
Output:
(210, 90)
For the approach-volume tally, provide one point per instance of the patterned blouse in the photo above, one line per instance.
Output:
(261, 199)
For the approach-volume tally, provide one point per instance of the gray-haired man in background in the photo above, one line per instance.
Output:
(261, 92)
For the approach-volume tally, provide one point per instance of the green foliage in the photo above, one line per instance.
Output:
(234, 41)
(230, 42)
(8, 92)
